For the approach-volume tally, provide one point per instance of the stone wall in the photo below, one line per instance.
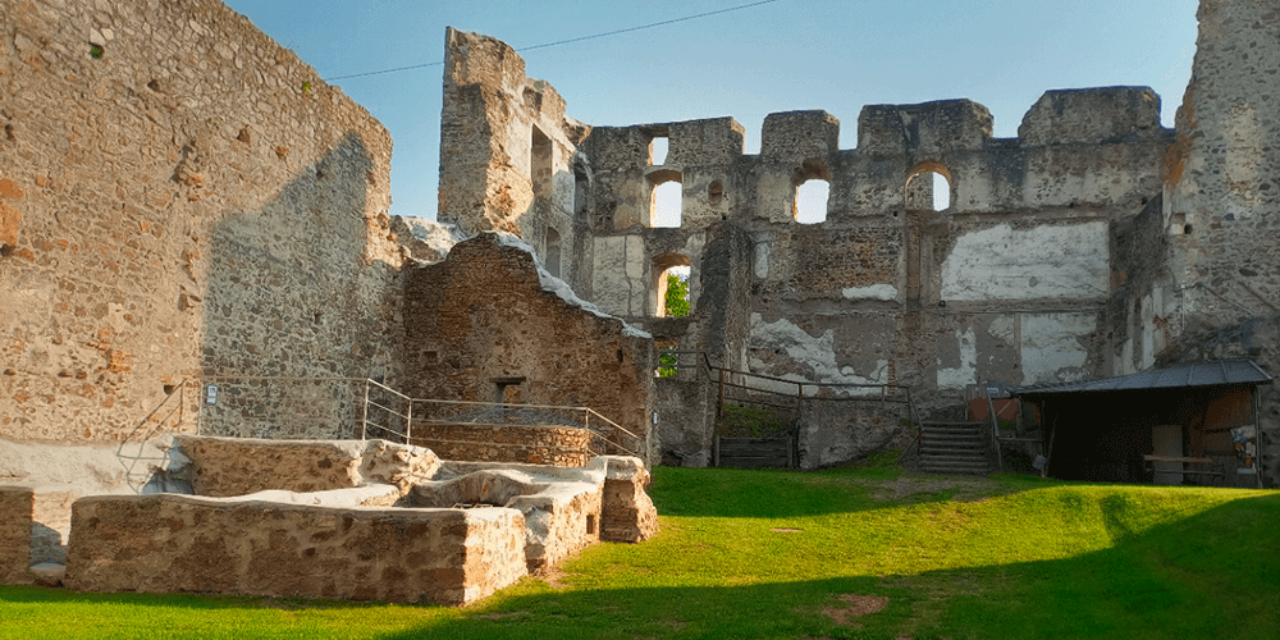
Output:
(507, 151)
(1222, 205)
(179, 196)
(238, 466)
(16, 505)
(1013, 282)
(558, 447)
(489, 318)
(169, 543)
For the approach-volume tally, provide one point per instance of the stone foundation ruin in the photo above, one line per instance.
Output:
(368, 520)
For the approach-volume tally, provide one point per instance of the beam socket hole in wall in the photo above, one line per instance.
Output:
(169, 389)
(591, 524)
(811, 201)
(929, 187)
(672, 270)
(658, 148)
(540, 160)
(96, 51)
(1178, 225)
(715, 192)
(666, 201)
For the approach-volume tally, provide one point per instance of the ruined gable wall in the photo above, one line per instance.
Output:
(195, 200)
(483, 315)
(1222, 201)
(507, 149)
(1008, 284)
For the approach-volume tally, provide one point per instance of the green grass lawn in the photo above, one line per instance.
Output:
(760, 554)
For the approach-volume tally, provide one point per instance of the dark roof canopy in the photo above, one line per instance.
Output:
(1201, 374)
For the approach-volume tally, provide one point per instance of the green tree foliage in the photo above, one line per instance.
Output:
(676, 305)
(677, 302)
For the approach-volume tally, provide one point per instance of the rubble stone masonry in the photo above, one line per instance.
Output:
(179, 196)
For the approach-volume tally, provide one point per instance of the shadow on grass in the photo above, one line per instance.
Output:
(740, 493)
(1214, 573)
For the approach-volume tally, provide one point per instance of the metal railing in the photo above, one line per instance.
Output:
(604, 435)
(135, 450)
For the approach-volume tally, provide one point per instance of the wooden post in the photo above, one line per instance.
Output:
(1044, 473)
(715, 449)
(720, 402)
(1257, 437)
(995, 429)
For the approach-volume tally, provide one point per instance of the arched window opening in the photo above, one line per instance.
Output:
(666, 202)
(540, 158)
(552, 253)
(672, 274)
(658, 148)
(929, 188)
(811, 201)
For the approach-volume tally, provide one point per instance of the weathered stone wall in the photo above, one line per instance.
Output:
(1013, 282)
(558, 447)
(239, 466)
(168, 543)
(1007, 284)
(179, 195)
(628, 513)
(488, 316)
(832, 431)
(1222, 204)
(507, 151)
(16, 505)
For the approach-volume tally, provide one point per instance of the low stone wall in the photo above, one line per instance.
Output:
(834, 431)
(562, 507)
(627, 513)
(16, 507)
(554, 446)
(167, 543)
(237, 466)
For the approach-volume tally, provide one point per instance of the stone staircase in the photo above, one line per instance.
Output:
(955, 447)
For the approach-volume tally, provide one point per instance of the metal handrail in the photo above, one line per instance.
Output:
(179, 410)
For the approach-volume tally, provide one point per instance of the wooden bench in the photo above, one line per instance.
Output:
(1184, 461)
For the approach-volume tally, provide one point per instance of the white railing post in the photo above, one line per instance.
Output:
(364, 413)
(408, 424)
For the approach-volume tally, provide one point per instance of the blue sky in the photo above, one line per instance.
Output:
(836, 55)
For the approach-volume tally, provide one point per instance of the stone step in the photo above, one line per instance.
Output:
(969, 451)
(956, 470)
(939, 457)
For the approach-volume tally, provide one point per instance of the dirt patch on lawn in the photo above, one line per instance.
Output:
(552, 576)
(857, 606)
(968, 490)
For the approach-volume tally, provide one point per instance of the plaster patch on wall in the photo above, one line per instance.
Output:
(610, 281)
(1051, 261)
(762, 259)
(872, 292)
(1245, 151)
(967, 372)
(1004, 328)
(817, 354)
(1053, 348)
